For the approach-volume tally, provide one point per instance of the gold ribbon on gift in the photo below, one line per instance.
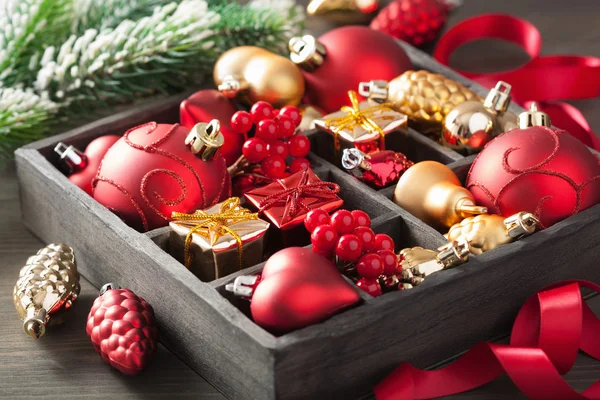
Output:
(357, 117)
(213, 226)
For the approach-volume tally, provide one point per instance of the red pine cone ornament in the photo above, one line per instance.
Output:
(123, 329)
(417, 22)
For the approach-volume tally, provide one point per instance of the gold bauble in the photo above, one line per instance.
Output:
(424, 96)
(470, 125)
(432, 192)
(252, 74)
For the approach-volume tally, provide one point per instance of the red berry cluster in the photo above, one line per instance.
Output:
(274, 139)
(349, 236)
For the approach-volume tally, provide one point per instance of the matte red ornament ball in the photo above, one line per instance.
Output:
(150, 172)
(94, 153)
(548, 173)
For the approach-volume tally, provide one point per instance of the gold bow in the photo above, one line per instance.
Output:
(213, 226)
(357, 117)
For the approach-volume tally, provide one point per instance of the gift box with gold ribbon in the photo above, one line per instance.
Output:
(362, 125)
(218, 241)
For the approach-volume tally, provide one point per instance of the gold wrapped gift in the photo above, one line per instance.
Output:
(218, 241)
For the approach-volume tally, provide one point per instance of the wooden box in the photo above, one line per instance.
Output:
(345, 356)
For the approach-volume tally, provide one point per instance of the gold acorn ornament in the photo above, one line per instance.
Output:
(344, 11)
(47, 287)
(472, 124)
(486, 232)
(432, 192)
(424, 96)
(251, 74)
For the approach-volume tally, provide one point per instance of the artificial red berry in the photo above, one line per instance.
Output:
(286, 126)
(299, 146)
(367, 238)
(293, 113)
(273, 167)
(278, 148)
(316, 217)
(343, 221)
(261, 110)
(371, 286)
(255, 150)
(384, 242)
(267, 130)
(348, 248)
(390, 262)
(299, 164)
(324, 239)
(241, 122)
(370, 266)
(361, 218)
(275, 113)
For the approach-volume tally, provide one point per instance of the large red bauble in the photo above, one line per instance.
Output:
(123, 330)
(94, 153)
(150, 172)
(545, 172)
(355, 54)
(206, 105)
(299, 288)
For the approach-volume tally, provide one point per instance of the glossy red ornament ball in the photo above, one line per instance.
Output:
(548, 173)
(255, 150)
(315, 218)
(206, 105)
(417, 22)
(241, 122)
(267, 130)
(290, 278)
(343, 221)
(355, 54)
(262, 110)
(370, 266)
(278, 148)
(361, 218)
(299, 164)
(384, 242)
(123, 330)
(150, 172)
(285, 125)
(324, 239)
(273, 167)
(299, 146)
(348, 248)
(371, 286)
(390, 262)
(366, 237)
(293, 113)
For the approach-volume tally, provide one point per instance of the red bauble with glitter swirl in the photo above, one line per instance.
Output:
(536, 169)
(123, 329)
(151, 172)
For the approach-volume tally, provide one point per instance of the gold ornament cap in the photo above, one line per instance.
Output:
(205, 140)
(453, 253)
(307, 52)
(521, 224)
(533, 117)
(232, 86)
(498, 99)
(375, 90)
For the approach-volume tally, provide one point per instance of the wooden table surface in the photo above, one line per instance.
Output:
(63, 364)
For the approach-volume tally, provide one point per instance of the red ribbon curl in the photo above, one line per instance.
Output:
(547, 334)
(542, 79)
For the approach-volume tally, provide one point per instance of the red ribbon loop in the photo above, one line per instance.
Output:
(542, 79)
(549, 330)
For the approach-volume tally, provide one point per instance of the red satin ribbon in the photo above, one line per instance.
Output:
(548, 332)
(542, 79)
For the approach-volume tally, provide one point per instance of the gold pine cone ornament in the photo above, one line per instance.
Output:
(48, 285)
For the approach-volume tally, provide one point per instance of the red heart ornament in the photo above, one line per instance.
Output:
(299, 288)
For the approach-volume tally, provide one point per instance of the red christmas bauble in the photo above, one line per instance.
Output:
(354, 54)
(206, 105)
(150, 172)
(123, 330)
(415, 21)
(548, 173)
(299, 288)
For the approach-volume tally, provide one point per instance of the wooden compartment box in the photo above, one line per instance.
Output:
(346, 355)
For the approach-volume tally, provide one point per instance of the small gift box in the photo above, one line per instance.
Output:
(285, 202)
(218, 241)
(363, 126)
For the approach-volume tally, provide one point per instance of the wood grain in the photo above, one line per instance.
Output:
(64, 365)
